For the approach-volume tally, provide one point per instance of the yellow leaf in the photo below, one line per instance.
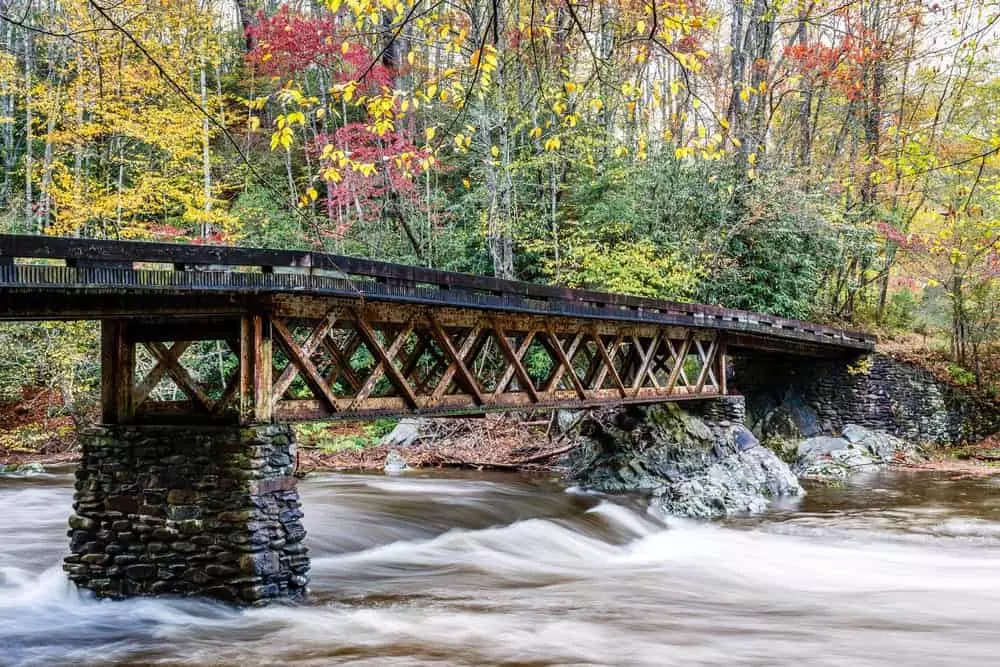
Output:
(254, 123)
(429, 133)
(745, 94)
(494, 151)
(410, 57)
(333, 5)
(312, 194)
(467, 183)
(535, 132)
(752, 158)
(640, 27)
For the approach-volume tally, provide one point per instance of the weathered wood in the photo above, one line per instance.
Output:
(263, 368)
(646, 358)
(248, 272)
(179, 375)
(457, 357)
(309, 347)
(117, 372)
(157, 373)
(246, 349)
(514, 362)
(609, 365)
(297, 356)
(565, 357)
(678, 369)
(386, 358)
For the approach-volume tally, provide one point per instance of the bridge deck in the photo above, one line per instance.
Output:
(314, 335)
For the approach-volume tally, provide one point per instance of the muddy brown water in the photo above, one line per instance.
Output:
(897, 568)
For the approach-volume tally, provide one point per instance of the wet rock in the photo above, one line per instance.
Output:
(406, 433)
(692, 465)
(23, 469)
(857, 449)
(394, 462)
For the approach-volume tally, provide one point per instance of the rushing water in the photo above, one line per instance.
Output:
(502, 569)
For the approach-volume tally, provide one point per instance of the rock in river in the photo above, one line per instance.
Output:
(692, 466)
(857, 449)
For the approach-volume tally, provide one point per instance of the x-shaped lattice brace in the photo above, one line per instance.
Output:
(168, 364)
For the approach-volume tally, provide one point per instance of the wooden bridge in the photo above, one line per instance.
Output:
(304, 335)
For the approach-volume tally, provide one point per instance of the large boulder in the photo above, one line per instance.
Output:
(857, 449)
(690, 466)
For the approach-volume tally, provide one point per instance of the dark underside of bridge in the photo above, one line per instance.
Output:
(188, 487)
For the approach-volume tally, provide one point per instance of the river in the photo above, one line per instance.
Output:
(479, 569)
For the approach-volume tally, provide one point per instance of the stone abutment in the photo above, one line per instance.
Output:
(188, 510)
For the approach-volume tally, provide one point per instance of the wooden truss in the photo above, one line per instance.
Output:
(307, 359)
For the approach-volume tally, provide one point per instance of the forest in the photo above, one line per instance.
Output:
(823, 160)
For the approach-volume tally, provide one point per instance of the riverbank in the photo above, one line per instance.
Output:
(495, 442)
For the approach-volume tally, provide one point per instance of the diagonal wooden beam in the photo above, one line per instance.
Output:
(385, 357)
(707, 358)
(316, 336)
(297, 356)
(514, 360)
(679, 357)
(594, 363)
(646, 359)
(457, 366)
(508, 374)
(341, 364)
(148, 383)
(609, 364)
(564, 357)
(179, 375)
(232, 387)
(423, 342)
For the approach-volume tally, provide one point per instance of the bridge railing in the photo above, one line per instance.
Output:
(156, 266)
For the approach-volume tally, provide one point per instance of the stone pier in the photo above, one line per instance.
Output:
(188, 510)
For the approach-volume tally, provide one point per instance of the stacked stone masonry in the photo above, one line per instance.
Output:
(874, 391)
(181, 510)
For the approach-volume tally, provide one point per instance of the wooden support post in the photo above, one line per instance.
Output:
(723, 363)
(262, 368)
(246, 353)
(117, 372)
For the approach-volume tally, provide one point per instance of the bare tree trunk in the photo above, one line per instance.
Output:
(206, 155)
(29, 205)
